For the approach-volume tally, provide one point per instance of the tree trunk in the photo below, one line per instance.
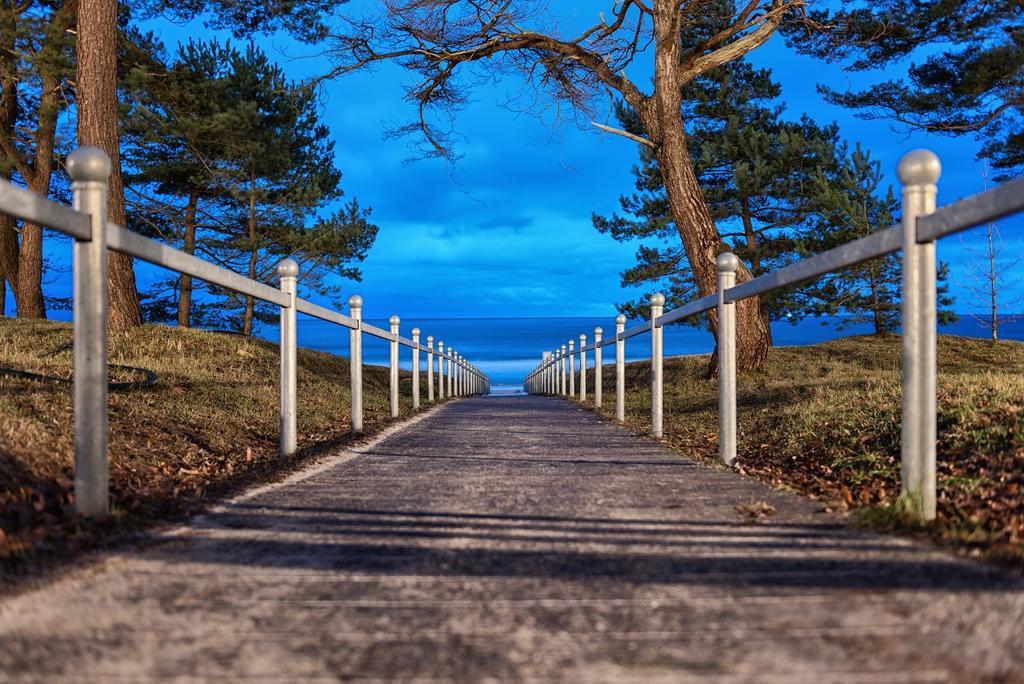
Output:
(97, 125)
(250, 303)
(8, 115)
(697, 230)
(185, 281)
(30, 259)
(876, 304)
(755, 259)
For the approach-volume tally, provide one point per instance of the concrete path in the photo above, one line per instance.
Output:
(519, 539)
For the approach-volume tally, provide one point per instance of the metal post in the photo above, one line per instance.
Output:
(440, 370)
(542, 378)
(355, 344)
(583, 368)
(561, 371)
(571, 360)
(89, 168)
(620, 369)
(287, 272)
(597, 366)
(430, 368)
(727, 264)
(393, 367)
(657, 365)
(918, 171)
(416, 369)
(456, 375)
(451, 384)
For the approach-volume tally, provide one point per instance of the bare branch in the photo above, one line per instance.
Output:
(624, 134)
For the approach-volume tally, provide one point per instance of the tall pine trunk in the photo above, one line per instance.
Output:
(30, 259)
(185, 281)
(250, 303)
(700, 237)
(8, 115)
(97, 125)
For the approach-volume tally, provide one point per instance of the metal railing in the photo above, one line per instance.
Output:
(86, 221)
(915, 235)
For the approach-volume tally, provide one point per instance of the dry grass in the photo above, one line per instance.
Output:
(824, 420)
(209, 427)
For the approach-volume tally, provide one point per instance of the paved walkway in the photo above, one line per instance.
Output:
(519, 539)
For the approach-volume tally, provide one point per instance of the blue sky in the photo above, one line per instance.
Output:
(507, 232)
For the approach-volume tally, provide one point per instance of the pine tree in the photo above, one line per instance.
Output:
(224, 141)
(753, 168)
(971, 80)
(847, 205)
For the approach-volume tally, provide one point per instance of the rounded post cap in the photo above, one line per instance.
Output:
(571, 344)
(394, 320)
(430, 338)
(657, 299)
(727, 262)
(620, 319)
(919, 167)
(88, 163)
(583, 337)
(415, 331)
(563, 348)
(287, 269)
(598, 330)
(355, 302)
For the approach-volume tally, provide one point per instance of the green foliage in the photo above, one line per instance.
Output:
(222, 132)
(849, 204)
(971, 84)
(754, 169)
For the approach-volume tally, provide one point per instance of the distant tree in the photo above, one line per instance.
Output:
(753, 168)
(989, 278)
(849, 205)
(971, 80)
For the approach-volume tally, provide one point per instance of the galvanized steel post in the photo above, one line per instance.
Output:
(440, 370)
(430, 368)
(657, 364)
(287, 272)
(355, 344)
(727, 264)
(597, 366)
(393, 367)
(571, 360)
(89, 168)
(583, 368)
(415, 369)
(451, 385)
(562, 385)
(918, 171)
(620, 369)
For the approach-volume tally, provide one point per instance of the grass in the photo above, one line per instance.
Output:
(824, 420)
(207, 428)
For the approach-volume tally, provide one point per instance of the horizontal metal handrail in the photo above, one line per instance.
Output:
(30, 207)
(159, 254)
(975, 210)
(324, 314)
(852, 253)
(920, 225)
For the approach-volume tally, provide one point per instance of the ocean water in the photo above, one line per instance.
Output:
(509, 348)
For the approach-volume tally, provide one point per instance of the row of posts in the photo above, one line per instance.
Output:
(90, 169)
(918, 172)
(456, 377)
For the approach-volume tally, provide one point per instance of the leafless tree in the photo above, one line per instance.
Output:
(443, 40)
(989, 275)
